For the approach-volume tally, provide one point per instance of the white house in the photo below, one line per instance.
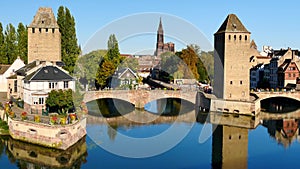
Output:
(7, 71)
(40, 82)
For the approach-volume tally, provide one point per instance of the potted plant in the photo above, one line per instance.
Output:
(53, 120)
(73, 117)
(63, 120)
(24, 115)
(37, 118)
(11, 114)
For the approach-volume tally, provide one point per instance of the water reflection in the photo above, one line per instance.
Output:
(27, 155)
(109, 107)
(280, 105)
(169, 106)
(284, 131)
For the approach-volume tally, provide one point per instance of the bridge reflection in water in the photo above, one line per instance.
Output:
(230, 131)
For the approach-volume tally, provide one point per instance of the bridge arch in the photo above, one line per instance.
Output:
(140, 97)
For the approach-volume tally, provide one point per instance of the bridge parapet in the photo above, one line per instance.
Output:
(266, 95)
(140, 97)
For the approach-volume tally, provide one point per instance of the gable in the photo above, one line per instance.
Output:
(127, 74)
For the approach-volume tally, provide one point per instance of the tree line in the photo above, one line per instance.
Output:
(14, 42)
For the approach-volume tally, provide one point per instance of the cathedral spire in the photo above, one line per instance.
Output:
(160, 28)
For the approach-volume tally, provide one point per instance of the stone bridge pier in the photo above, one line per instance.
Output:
(140, 97)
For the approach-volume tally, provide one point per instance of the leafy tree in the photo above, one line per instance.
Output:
(60, 101)
(70, 50)
(2, 46)
(87, 66)
(10, 42)
(105, 71)
(109, 64)
(190, 58)
(22, 39)
(131, 63)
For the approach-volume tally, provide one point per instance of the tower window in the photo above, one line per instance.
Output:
(229, 37)
(33, 30)
(40, 30)
(231, 82)
(246, 37)
(234, 37)
(241, 82)
(46, 29)
(53, 30)
(240, 37)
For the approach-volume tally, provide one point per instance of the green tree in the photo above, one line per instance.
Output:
(60, 101)
(87, 66)
(70, 49)
(10, 42)
(22, 39)
(109, 64)
(2, 46)
(105, 71)
(131, 63)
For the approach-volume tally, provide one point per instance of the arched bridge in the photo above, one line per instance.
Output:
(266, 95)
(140, 97)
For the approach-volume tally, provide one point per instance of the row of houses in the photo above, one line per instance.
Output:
(275, 69)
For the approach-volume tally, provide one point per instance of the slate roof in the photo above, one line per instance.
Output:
(122, 71)
(232, 24)
(48, 73)
(44, 18)
(23, 70)
(3, 68)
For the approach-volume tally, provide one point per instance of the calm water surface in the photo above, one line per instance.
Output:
(245, 143)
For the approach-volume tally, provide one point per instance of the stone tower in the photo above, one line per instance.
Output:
(44, 41)
(231, 60)
(160, 39)
(230, 147)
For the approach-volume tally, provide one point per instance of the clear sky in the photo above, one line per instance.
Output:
(273, 23)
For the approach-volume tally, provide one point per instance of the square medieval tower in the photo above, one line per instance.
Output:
(231, 60)
(44, 39)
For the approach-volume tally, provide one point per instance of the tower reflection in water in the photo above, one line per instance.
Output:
(27, 155)
(230, 135)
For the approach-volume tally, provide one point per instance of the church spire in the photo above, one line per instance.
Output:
(160, 28)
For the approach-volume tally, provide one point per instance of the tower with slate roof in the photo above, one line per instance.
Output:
(231, 60)
(44, 39)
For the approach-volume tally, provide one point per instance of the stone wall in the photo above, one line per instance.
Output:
(238, 107)
(55, 136)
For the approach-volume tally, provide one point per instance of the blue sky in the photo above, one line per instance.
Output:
(274, 23)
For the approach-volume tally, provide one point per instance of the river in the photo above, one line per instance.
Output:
(170, 134)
